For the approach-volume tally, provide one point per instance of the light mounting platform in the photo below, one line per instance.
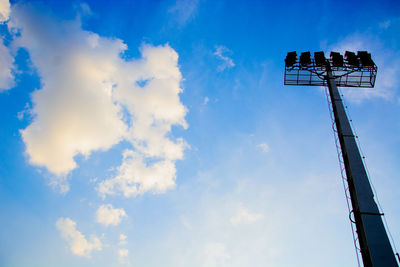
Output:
(347, 72)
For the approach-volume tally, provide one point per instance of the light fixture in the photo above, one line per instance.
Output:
(337, 59)
(320, 59)
(365, 58)
(305, 58)
(351, 59)
(291, 59)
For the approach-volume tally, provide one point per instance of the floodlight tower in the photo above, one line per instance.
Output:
(355, 71)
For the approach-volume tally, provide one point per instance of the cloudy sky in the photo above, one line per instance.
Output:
(159, 133)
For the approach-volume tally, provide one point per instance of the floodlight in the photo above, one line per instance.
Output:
(337, 59)
(351, 59)
(349, 54)
(370, 238)
(365, 58)
(320, 59)
(305, 58)
(291, 59)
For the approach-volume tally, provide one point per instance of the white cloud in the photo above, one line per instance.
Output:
(4, 10)
(244, 216)
(122, 239)
(79, 245)
(6, 65)
(264, 147)
(206, 100)
(135, 177)
(388, 63)
(227, 62)
(108, 215)
(91, 99)
(74, 110)
(123, 255)
(6, 60)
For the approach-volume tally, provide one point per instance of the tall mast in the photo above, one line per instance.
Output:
(357, 71)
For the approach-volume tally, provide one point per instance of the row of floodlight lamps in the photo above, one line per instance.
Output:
(362, 59)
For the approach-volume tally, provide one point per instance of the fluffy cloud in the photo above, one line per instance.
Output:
(107, 215)
(79, 245)
(4, 10)
(74, 110)
(136, 177)
(244, 216)
(91, 99)
(227, 62)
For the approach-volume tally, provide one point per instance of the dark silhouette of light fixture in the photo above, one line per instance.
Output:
(351, 59)
(320, 59)
(365, 59)
(291, 59)
(305, 58)
(337, 59)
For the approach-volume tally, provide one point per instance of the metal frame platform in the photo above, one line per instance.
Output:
(346, 76)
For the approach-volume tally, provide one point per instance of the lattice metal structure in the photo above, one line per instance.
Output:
(346, 75)
(353, 71)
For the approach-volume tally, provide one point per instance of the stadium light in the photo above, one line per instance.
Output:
(337, 59)
(291, 59)
(305, 58)
(365, 59)
(374, 244)
(320, 59)
(351, 59)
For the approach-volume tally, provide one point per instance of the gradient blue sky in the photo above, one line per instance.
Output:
(243, 170)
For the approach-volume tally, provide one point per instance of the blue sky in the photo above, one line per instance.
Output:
(159, 133)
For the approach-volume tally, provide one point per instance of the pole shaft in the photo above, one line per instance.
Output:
(376, 250)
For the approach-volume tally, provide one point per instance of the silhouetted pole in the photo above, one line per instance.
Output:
(356, 71)
(374, 243)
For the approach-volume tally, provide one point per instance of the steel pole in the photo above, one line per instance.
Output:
(376, 250)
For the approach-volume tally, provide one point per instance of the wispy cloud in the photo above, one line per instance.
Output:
(216, 254)
(385, 24)
(184, 10)
(6, 67)
(123, 255)
(227, 62)
(264, 147)
(123, 239)
(6, 59)
(243, 216)
(388, 63)
(77, 242)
